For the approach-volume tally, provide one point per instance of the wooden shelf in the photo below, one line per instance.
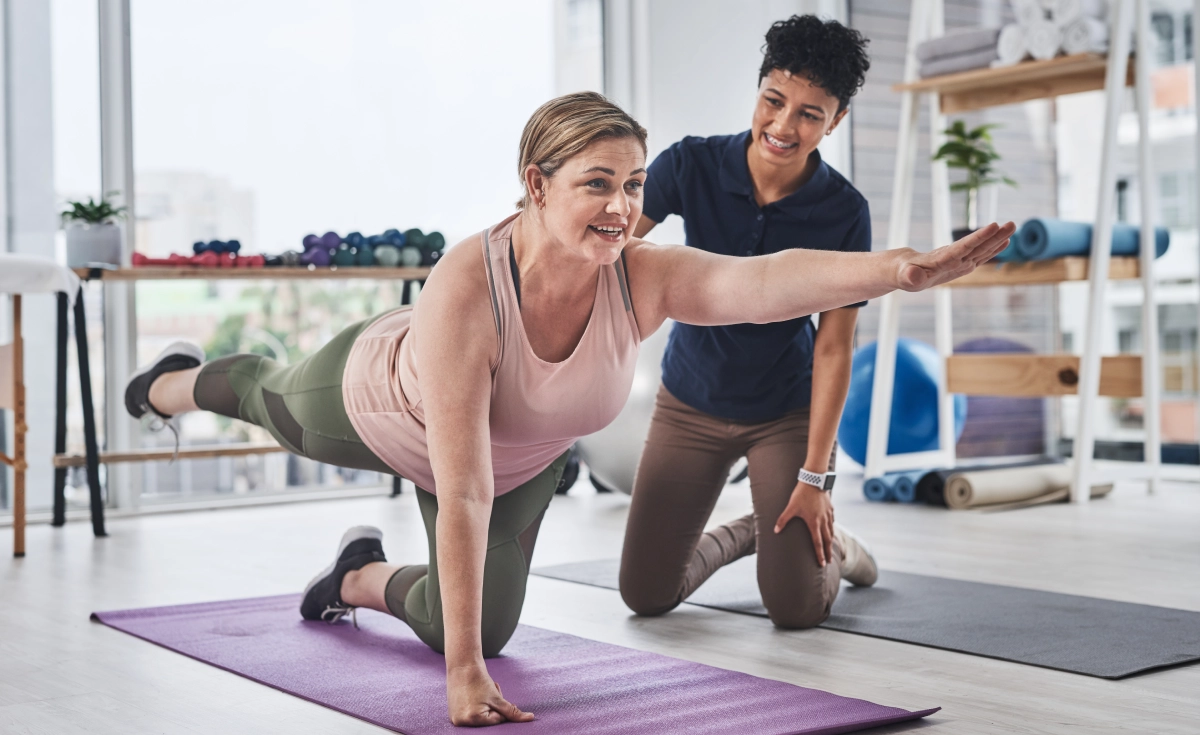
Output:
(1039, 375)
(153, 273)
(1058, 270)
(165, 455)
(1030, 80)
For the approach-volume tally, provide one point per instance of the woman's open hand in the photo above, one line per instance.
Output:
(475, 700)
(919, 271)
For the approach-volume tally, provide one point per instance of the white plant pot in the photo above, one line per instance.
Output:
(93, 244)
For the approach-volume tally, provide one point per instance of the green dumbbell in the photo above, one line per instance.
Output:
(410, 257)
(414, 237)
(387, 255)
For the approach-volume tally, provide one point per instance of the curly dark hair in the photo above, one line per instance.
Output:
(833, 56)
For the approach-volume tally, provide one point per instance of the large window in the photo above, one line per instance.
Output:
(265, 120)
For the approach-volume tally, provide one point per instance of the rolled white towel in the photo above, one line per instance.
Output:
(1028, 12)
(1066, 12)
(1085, 36)
(1044, 40)
(1011, 47)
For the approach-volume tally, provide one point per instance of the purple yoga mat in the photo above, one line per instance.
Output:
(383, 674)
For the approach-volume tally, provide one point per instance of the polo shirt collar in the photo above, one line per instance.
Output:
(735, 178)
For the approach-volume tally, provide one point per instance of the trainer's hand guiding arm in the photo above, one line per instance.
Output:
(455, 343)
(696, 287)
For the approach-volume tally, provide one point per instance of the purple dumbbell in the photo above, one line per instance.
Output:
(310, 241)
(331, 240)
(318, 256)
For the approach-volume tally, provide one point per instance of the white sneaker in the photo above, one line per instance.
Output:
(858, 563)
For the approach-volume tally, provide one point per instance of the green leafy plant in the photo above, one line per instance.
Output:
(973, 152)
(92, 212)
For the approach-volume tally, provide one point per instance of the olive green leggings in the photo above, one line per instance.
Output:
(301, 405)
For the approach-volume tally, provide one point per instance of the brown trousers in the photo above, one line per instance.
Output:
(684, 466)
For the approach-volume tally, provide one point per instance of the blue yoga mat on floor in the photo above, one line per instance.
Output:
(899, 487)
(1044, 239)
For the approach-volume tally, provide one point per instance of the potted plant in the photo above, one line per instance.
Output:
(971, 151)
(92, 233)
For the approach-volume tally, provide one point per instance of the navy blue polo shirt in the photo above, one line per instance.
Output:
(747, 372)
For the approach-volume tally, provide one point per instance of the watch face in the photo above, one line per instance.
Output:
(829, 478)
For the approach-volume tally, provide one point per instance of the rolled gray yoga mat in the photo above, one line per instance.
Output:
(1082, 635)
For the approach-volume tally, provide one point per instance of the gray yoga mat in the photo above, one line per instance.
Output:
(1083, 635)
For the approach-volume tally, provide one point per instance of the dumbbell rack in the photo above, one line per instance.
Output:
(93, 457)
(1020, 374)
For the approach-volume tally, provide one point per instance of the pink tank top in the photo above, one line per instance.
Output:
(538, 408)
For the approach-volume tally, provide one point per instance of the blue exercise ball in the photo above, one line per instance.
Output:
(914, 426)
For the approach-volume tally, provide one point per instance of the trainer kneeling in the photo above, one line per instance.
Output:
(772, 393)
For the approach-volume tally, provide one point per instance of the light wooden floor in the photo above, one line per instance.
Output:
(61, 674)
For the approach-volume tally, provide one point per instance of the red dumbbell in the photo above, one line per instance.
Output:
(251, 261)
(207, 259)
(172, 261)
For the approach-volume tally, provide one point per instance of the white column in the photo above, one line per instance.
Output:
(1089, 364)
(899, 220)
(32, 218)
(939, 182)
(1196, 176)
(116, 173)
(1151, 358)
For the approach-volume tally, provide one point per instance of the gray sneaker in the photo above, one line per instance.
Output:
(858, 563)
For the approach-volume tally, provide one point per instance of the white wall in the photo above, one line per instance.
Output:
(32, 219)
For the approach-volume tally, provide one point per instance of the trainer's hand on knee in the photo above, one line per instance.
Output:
(813, 506)
(475, 701)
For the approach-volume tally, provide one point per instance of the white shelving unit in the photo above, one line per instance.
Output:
(1053, 375)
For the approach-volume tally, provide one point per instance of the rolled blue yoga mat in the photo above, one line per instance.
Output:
(1044, 238)
(904, 490)
(877, 489)
(897, 486)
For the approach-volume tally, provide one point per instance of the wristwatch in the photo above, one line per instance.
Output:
(824, 482)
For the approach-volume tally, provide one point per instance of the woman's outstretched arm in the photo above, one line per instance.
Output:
(697, 287)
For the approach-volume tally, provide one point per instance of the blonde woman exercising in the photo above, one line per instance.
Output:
(524, 340)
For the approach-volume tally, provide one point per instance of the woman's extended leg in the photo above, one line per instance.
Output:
(173, 393)
(299, 404)
(413, 594)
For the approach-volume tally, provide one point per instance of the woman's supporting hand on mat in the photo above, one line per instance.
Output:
(813, 506)
(476, 701)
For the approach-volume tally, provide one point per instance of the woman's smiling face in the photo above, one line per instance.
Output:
(593, 201)
(791, 117)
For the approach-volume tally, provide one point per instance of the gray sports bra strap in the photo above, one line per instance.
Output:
(487, 258)
(622, 278)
